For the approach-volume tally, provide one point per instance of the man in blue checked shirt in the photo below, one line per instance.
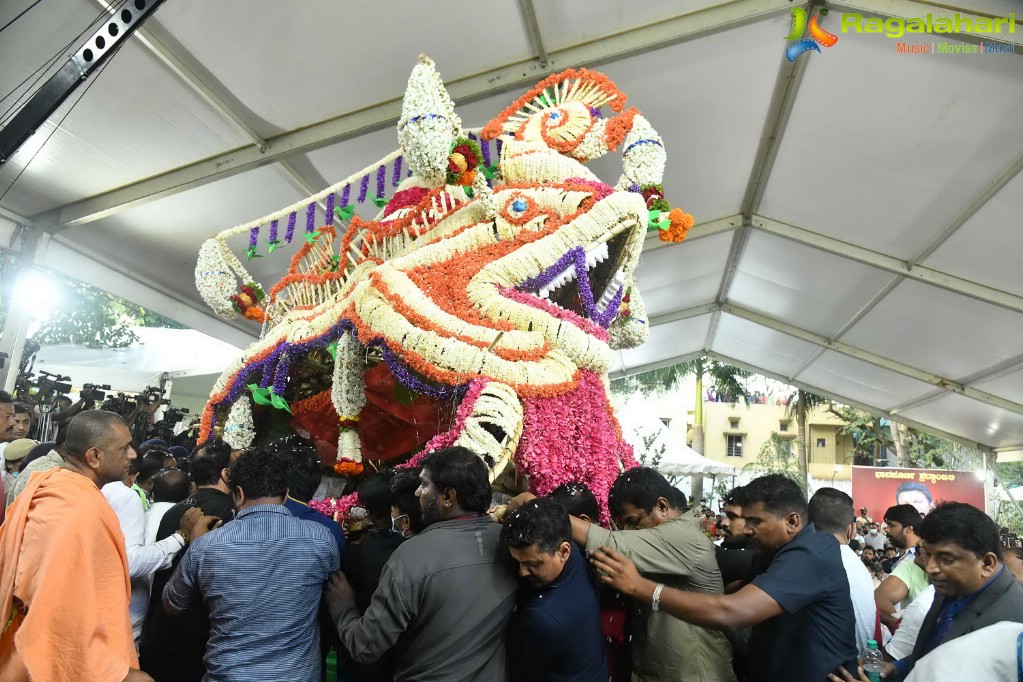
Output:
(262, 577)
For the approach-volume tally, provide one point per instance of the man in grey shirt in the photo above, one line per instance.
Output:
(445, 596)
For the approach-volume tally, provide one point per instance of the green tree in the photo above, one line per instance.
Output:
(800, 404)
(871, 435)
(775, 457)
(91, 317)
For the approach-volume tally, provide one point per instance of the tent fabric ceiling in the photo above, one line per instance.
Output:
(857, 210)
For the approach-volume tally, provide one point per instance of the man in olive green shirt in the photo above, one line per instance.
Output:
(666, 547)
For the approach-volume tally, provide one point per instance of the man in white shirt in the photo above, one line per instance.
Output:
(145, 560)
(831, 511)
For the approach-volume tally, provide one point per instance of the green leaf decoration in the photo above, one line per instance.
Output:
(380, 201)
(344, 212)
(469, 193)
(335, 263)
(251, 253)
(271, 246)
(332, 349)
(260, 396)
(310, 237)
(490, 171)
(279, 402)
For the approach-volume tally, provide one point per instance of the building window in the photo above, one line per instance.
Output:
(733, 422)
(734, 446)
(821, 443)
(666, 421)
(783, 426)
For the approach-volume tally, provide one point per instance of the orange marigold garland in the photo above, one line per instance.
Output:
(680, 224)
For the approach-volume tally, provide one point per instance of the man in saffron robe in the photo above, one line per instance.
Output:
(64, 587)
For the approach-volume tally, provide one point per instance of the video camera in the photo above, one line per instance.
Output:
(94, 391)
(120, 403)
(152, 395)
(48, 384)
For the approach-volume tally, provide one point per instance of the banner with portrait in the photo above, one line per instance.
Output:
(878, 488)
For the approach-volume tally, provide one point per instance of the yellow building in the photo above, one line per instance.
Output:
(735, 432)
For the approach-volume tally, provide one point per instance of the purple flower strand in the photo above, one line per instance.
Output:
(363, 188)
(268, 375)
(310, 217)
(290, 231)
(273, 231)
(499, 145)
(396, 177)
(401, 373)
(381, 178)
(330, 208)
(281, 375)
(485, 148)
(346, 194)
(253, 237)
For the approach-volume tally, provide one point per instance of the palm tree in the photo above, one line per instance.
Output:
(799, 405)
(726, 379)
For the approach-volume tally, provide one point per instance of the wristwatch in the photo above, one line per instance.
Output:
(655, 601)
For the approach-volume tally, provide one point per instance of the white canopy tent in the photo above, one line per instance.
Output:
(649, 438)
(857, 210)
(190, 359)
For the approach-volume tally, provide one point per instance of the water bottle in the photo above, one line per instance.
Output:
(872, 662)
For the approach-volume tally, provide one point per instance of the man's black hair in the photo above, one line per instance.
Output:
(964, 525)
(375, 493)
(541, 522)
(5, 398)
(305, 469)
(208, 461)
(779, 494)
(403, 496)
(731, 496)
(905, 514)
(831, 511)
(577, 499)
(463, 471)
(90, 429)
(914, 486)
(260, 473)
(640, 487)
(21, 408)
(1013, 551)
(170, 485)
(149, 464)
(681, 501)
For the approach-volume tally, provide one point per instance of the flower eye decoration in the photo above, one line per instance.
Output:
(521, 209)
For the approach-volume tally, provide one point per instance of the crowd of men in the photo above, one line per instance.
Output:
(116, 566)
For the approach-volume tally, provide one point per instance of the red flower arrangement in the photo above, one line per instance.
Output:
(463, 161)
(247, 300)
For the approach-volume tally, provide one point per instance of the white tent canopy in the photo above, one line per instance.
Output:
(191, 359)
(857, 210)
(648, 436)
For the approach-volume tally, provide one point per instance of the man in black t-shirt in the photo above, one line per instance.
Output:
(799, 606)
(173, 646)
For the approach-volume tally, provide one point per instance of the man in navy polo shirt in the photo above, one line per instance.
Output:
(554, 634)
(799, 606)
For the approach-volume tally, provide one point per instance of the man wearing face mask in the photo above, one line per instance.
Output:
(874, 539)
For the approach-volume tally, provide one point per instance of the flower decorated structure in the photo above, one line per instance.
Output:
(503, 287)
